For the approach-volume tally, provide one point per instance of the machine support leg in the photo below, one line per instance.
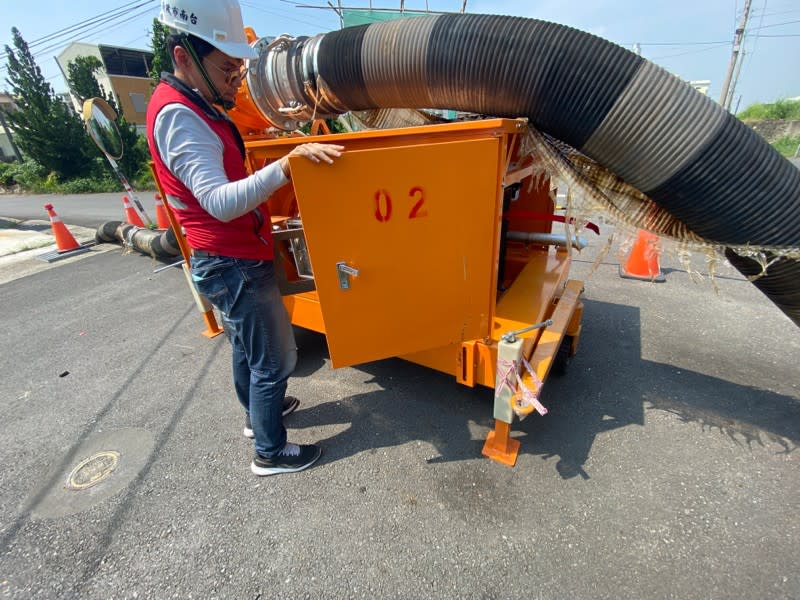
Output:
(499, 445)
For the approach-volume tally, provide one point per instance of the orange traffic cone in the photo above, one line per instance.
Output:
(130, 214)
(642, 262)
(162, 220)
(64, 239)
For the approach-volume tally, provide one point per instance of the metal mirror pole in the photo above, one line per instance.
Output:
(100, 123)
(131, 194)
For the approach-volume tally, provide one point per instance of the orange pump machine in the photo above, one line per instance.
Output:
(433, 244)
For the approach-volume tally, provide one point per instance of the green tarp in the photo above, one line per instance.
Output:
(364, 17)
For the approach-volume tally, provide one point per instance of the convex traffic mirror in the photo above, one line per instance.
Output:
(101, 124)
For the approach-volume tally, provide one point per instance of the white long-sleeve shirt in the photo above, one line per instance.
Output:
(193, 153)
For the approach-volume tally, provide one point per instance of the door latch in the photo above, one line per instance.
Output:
(345, 272)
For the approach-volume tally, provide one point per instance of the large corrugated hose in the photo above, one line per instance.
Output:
(695, 160)
(158, 244)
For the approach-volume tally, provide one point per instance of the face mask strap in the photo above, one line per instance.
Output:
(217, 97)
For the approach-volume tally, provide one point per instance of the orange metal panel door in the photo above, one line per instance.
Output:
(401, 242)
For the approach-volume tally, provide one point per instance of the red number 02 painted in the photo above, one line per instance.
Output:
(417, 212)
(383, 205)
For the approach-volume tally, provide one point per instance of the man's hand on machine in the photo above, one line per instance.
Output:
(313, 152)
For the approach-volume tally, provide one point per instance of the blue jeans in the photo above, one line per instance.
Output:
(264, 351)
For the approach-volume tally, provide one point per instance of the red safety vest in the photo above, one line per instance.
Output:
(248, 236)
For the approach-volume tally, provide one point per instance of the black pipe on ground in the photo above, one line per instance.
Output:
(160, 244)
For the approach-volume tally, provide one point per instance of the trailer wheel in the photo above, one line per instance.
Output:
(563, 357)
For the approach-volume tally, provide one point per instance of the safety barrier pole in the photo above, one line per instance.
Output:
(212, 327)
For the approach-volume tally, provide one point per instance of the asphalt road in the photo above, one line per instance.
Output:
(666, 467)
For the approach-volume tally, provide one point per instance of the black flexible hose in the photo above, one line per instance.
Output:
(680, 148)
(158, 244)
(780, 285)
(107, 232)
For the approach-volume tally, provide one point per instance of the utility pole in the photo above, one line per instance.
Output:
(727, 92)
(734, 81)
(464, 7)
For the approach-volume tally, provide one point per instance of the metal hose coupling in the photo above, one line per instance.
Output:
(285, 85)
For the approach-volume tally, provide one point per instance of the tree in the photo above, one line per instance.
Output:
(161, 58)
(83, 82)
(46, 128)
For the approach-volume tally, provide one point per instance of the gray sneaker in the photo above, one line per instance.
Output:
(290, 403)
(291, 459)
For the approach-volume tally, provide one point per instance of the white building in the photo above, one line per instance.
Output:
(125, 73)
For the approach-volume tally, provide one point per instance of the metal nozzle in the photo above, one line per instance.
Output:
(284, 84)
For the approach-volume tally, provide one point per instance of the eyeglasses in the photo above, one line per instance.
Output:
(231, 75)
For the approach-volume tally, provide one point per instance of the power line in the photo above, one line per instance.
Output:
(718, 45)
(106, 26)
(136, 39)
(775, 25)
(90, 26)
(146, 33)
(714, 46)
(278, 14)
(86, 23)
(773, 14)
(109, 15)
(676, 43)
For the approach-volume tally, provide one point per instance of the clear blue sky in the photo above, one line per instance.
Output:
(691, 38)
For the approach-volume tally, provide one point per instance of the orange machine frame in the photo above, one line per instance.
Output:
(529, 280)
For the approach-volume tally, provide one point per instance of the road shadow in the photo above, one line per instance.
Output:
(312, 351)
(413, 403)
(607, 386)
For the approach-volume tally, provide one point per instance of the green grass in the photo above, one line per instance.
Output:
(782, 109)
(787, 145)
(32, 178)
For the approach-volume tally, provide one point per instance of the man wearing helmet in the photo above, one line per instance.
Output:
(199, 159)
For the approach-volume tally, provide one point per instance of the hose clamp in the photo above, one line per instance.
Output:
(285, 85)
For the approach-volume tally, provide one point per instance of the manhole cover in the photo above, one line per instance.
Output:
(67, 489)
(93, 470)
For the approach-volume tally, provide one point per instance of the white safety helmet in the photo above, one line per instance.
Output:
(218, 22)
